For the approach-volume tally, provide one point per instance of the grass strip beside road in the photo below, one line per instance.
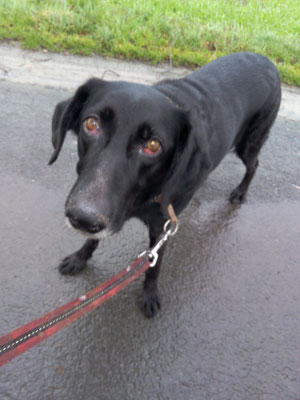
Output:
(182, 32)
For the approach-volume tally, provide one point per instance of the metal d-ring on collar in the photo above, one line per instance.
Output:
(170, 229)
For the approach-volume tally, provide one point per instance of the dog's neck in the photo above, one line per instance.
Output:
(169, 99)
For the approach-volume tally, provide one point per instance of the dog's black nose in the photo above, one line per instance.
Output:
(87, 221)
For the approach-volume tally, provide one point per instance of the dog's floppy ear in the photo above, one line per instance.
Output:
(66, 115)
(185, 167)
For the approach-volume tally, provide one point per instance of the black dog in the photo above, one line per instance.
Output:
(136, 142)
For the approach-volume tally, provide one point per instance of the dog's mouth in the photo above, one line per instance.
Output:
(88, 235)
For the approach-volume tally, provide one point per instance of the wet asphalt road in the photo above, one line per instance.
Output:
(229, 326)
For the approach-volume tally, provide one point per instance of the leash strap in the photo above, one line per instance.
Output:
(27, 336)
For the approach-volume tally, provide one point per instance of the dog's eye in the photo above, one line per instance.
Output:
(92, 125)
(152, 146)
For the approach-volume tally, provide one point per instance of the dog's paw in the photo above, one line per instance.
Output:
(238, 196)
(151, 303)
(72, 265)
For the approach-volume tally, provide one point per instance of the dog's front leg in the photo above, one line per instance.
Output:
(76, 262)
(151, 302)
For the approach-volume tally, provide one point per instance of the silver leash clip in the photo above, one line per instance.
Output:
(170, 229)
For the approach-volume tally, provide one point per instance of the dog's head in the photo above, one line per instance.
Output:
(133, 144)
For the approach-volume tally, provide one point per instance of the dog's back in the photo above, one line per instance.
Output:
(251, 76)
(224, 98)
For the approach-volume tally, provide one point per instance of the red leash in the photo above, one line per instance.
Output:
(27, 336)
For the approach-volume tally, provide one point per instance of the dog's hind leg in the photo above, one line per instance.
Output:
(77, 261)
(248, 148)
(238, 195)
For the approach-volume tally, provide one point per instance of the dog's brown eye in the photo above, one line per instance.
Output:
(92, 125)
(152, 146)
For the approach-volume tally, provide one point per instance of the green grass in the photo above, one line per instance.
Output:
(183, 32)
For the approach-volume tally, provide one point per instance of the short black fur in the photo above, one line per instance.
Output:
(229, 104)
